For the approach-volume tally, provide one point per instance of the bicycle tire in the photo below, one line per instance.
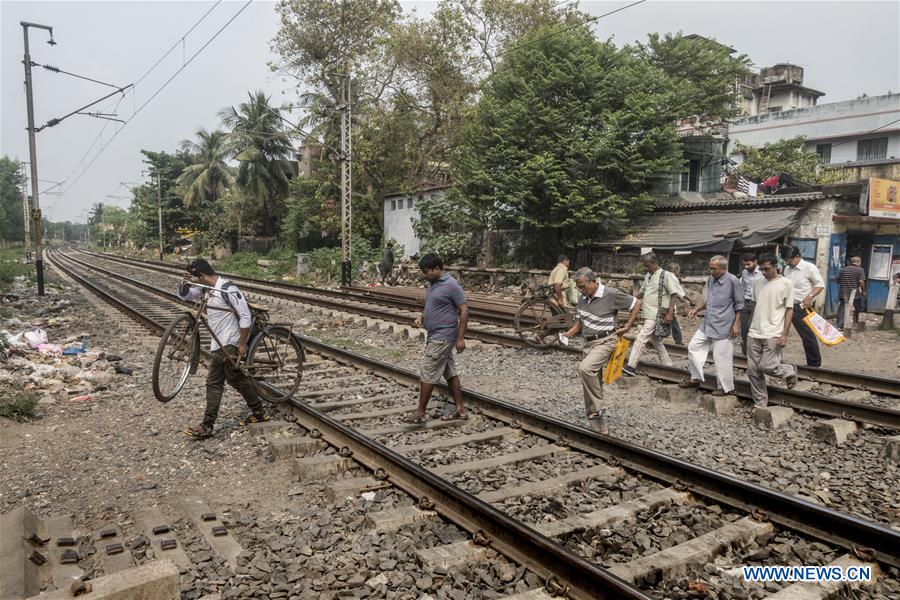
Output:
(532, 335)
(281, 387)
(185, 322)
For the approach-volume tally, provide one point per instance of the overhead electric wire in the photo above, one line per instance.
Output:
(161, 88)
(58, 70)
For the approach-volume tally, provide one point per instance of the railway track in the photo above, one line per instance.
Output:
(877, 410)
(490, 474)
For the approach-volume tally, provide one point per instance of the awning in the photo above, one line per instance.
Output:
(711, 231)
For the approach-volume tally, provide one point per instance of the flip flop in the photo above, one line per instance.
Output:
(455, 416)
(413, 420)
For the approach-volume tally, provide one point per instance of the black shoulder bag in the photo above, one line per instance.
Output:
(662, 329)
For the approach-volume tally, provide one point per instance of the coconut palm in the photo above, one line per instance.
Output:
(206, 180)
(263, 149)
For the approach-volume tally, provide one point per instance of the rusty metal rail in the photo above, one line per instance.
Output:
(822, 523)
(805, 401)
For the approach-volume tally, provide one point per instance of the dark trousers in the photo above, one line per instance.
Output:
(809, 339)
(842, 306)
(677, 336)
(220, 371)
(746, 319)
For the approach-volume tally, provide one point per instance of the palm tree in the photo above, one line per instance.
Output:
(208, 178)
(262, 148)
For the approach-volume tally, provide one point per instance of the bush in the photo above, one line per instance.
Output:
(11, 266)
(19, 406)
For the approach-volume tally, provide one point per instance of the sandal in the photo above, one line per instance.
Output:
(455, 416)
(255, 418)
(414, 420)
(199, 432)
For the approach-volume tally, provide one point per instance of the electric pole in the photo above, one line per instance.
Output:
(26, 210)
(158, 210)
(32, 150)
(346, 183)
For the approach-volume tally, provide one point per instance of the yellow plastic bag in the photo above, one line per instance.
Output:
(827, 333)
(613, 368)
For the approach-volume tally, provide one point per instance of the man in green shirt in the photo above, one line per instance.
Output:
(652, 301)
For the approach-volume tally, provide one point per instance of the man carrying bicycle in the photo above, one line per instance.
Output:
(229, 320)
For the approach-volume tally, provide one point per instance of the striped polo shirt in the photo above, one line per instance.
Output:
(598, 313)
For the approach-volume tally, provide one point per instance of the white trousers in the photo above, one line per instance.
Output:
(645, 336)
(723, 354)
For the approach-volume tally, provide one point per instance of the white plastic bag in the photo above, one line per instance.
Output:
(35, 338)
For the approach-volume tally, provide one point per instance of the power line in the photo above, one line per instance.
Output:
(866, 133)
(161, 88)
(58, 70)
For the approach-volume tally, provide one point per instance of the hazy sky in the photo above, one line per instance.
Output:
(846, 48)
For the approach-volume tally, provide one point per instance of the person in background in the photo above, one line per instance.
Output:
(749, 275)
(851, 278)
(595, 316)
(445, 317)
(652, 301)
(769, 331)
(386, 266)
(808, 284)
(559, 279)
(677, 335)
(723, 302)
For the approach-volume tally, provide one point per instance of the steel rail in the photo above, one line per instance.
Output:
(831, 526)
(823, 523)
(804, 401)
(515, 540)
(873, 383)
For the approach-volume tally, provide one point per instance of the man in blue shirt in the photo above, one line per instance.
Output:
(445, 318)
(723, 303)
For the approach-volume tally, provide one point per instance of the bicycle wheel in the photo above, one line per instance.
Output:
(275, 363)
(176, 357)
(531, 324)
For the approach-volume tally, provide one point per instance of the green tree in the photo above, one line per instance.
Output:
(144, 228)
(263, 149)
(703, 71)
(784, 156)
(569, 140)
(12, 227)
(208, 178)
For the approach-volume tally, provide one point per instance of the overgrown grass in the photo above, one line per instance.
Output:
(20, 406)
(12, 266)
(244, 263)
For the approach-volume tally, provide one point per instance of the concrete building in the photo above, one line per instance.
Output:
(399, 211)
(855, 140)
(776, 89)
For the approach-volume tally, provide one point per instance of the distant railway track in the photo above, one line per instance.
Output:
(420, 462)
(399, 310)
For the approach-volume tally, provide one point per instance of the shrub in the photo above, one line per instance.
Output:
(19, 406)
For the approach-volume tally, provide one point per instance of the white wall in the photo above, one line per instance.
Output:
(398, 221)
(826, 123)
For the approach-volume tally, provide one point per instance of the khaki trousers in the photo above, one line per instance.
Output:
(596, 354)
(723, 357)
(645, 336)
(764, 357)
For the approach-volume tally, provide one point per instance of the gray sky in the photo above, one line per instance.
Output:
(846, 48)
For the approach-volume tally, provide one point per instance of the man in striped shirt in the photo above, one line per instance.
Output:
(852, 277)
(595, 317)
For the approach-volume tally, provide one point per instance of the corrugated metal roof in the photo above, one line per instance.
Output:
(712, 231)
(694, 201)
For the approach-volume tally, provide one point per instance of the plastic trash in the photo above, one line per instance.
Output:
(84, 398)
(74, 348)
(35, 337)
(49, 349)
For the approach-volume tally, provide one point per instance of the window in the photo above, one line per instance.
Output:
(400, 204)
(873, 149)
(393, 205)
(690, 177)
(409, 205)
(807, 247)
(824, 152)
(774, 109)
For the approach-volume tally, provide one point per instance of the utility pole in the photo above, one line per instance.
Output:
(32, 150)
(158, 210)
(346, 183)
(26, 210)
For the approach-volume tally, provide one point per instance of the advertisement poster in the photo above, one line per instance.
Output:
(880, 263)
(883, 200)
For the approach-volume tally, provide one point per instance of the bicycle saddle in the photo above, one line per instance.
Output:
(258, 307)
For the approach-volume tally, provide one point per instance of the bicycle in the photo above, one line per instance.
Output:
(273, 363)
(540, 319)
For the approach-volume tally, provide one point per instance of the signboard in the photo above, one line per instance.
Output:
(880, 261)
(884, 200)
(823, 230)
